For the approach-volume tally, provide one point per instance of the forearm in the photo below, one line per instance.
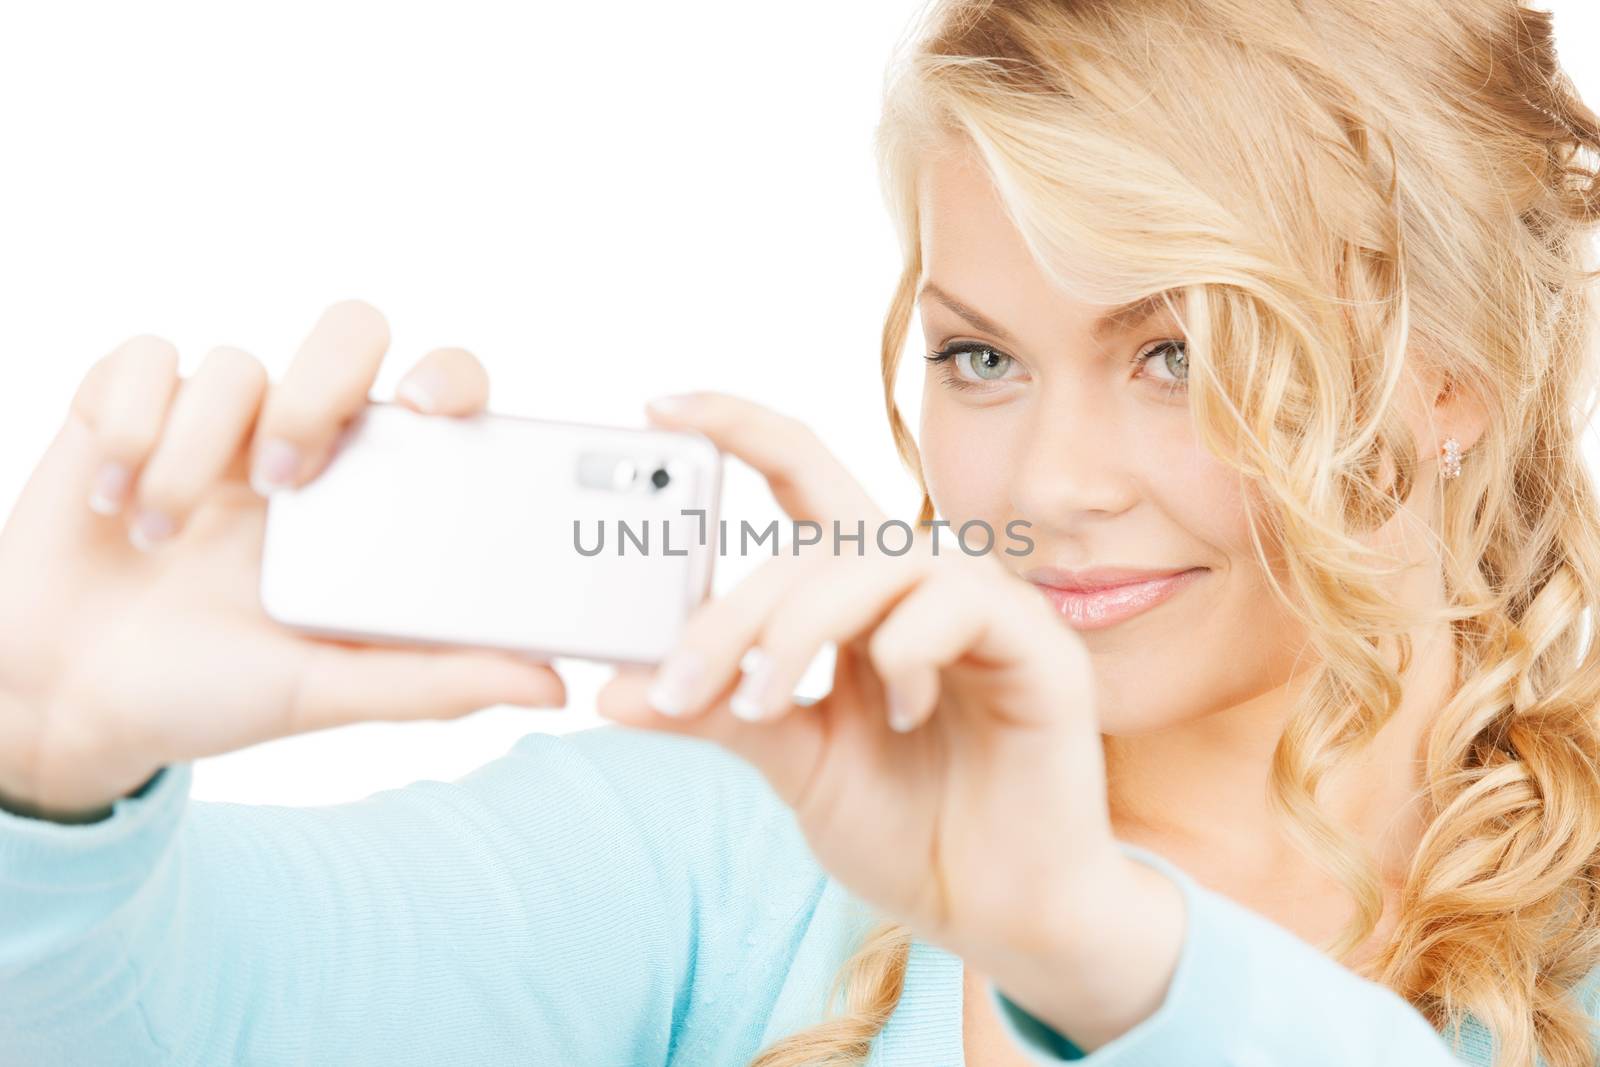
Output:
(414, 927)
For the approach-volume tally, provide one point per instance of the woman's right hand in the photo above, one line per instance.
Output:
(131, 628)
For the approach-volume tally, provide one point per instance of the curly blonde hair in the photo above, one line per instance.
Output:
(1335, 187)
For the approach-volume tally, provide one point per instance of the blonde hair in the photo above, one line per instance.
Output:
(1330, 188)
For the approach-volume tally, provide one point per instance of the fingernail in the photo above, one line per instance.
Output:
(109, 489)
(748, 703)
(422, 389)
(676, 404)
(150, 528)
(899, 713)
(673, 688)
(275, 466)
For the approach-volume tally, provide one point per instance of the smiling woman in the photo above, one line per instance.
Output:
(1204, 315)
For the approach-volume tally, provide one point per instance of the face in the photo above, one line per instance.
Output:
(1085, 434)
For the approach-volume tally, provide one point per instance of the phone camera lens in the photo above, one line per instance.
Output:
(659, 478)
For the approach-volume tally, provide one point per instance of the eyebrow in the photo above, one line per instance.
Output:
(1120, 318)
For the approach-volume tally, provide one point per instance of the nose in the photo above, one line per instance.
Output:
(1073, 464)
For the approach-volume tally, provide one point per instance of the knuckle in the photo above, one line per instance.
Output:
(233, 365)
(129, 379)
(147, 349)
(357, 314)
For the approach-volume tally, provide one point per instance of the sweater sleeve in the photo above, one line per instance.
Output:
(1246, 990)
(544, 908)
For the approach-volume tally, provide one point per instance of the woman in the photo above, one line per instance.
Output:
(1285, 299)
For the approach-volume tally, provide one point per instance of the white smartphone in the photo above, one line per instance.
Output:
(535, 536)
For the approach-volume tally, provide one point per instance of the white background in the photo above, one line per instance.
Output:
(604, 202)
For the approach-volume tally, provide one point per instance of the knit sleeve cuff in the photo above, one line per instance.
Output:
(40, 855)
(1189, 1026)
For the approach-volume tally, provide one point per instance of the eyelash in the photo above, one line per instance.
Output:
(946, 354)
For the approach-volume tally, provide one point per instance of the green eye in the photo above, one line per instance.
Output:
(1179, 367)
(986, 363)
(969, 362)
(1174, 360)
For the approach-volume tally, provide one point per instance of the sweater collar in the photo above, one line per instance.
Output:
(925, 1026)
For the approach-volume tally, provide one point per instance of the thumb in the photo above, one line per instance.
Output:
(344, 684)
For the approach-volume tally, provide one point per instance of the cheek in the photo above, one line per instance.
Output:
(1202, 495)
(965, 454)
(1225, 647)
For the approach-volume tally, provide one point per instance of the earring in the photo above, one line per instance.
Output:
(1452, 459)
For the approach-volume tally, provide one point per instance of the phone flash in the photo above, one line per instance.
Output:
(607, 470)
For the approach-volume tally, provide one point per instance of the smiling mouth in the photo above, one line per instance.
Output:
(1095, 609)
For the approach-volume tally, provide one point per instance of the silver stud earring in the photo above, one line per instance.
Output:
(1452, 459)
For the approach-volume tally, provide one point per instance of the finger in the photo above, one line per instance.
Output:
(846, 599)
(446, 381)
(345, 684)
(124, 400)
(807, 481)
(208, 423)
(914, 642)
(704, 662)
(625, 698)
(958, 614)
(327, 383)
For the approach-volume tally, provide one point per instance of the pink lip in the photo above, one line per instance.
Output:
(1094, 609)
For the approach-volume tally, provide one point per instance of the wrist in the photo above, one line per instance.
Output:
(29, 787)
(1106, 952)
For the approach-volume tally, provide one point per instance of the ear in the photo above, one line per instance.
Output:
(1436, 409)
(1457, 412)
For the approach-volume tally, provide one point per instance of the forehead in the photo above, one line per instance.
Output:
(973, 252)
(971, 248)
(958, 207)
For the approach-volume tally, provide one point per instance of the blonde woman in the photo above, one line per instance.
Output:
(1272, 320)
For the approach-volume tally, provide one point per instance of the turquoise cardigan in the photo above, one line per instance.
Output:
(610, 897)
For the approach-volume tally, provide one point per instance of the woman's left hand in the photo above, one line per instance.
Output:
(983, 824)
